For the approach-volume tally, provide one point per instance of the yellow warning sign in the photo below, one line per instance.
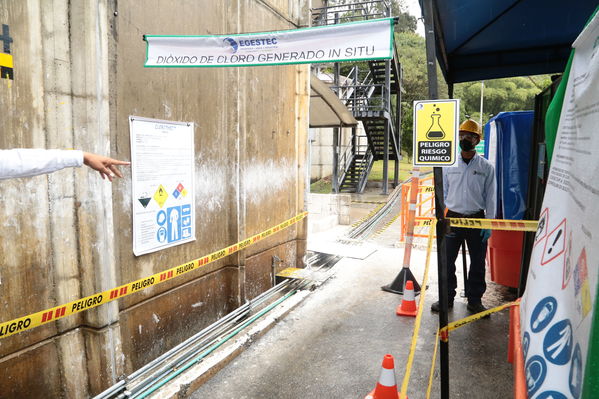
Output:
(435, 132)
(160, 195)
(6, 60)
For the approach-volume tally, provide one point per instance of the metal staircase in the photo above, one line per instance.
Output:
(369, 100)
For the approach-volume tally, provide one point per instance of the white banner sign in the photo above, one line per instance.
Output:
(557, 307)
(162, 168)
(363, 40)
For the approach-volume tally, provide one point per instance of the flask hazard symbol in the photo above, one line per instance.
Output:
(435, 132)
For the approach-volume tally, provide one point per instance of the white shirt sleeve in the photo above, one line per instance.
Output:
(21, 162)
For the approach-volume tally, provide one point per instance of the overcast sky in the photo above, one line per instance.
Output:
(414, 9)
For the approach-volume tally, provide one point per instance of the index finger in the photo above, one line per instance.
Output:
(117, 162)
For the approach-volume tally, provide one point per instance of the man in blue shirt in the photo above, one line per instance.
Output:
(469, 192)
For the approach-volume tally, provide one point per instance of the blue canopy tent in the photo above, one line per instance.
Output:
(478, 40)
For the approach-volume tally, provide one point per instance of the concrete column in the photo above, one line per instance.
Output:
(90, 86)
(58, 114)
(302, 128)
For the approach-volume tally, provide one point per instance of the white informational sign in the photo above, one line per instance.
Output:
(557, 307)
(362, 40)
(162, 168)
(436, 132)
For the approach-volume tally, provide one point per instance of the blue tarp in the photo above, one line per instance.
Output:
(487, 39)
(513, 132)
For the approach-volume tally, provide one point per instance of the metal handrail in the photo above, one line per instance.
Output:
(368, 157)
(338, 13)
(343, 164)
(348, 157)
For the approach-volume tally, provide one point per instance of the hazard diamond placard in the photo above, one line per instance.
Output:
(435, 132)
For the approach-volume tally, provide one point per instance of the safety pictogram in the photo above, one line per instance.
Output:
(435, 132)
(542, 229)
(557, 345)
(543, 313)
(582, 290)
(180, 191)
(555, 243)
(575, 377)
(567, 263)
(525, 344)
(551, 395)
(160, 195)
(144, 199)
(536, 371)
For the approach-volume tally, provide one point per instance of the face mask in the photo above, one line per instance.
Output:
(466, 145)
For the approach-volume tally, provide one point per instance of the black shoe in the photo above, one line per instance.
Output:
(435, 307)
(477, 307)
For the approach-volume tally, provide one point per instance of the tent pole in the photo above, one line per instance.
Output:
(442, 225)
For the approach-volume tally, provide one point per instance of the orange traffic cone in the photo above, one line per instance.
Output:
(386, 388)
(408, 304)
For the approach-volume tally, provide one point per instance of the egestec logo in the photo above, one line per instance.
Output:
(232, 43)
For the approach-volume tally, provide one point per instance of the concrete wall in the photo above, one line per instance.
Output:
(327, 211)
(321, 147)
(78, 75)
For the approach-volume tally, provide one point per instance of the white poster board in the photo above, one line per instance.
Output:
(162, 168)
(557, 307)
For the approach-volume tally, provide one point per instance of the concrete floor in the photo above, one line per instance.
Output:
(332, 345)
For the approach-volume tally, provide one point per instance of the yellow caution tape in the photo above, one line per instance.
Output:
(495, 224)
(406, 378)
(492, 224)
(444, 332)
(45, 316)
(432, 372)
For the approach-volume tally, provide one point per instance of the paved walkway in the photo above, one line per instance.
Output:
(332, 345)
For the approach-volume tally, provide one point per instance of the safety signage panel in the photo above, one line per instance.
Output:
(558, 308)
(436, 132)
(162, 168)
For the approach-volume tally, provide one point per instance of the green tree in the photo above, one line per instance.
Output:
(397, 8)
(500, 95)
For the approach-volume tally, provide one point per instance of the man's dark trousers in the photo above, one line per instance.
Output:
(475, 285)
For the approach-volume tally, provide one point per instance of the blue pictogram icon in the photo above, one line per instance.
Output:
(525, 344)
(186, 209)
(173, 219)
(161, 234)
(543, 314)
(557, 345)
(160, 218)
(536, 370)
(576, 373)
(551, 395)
